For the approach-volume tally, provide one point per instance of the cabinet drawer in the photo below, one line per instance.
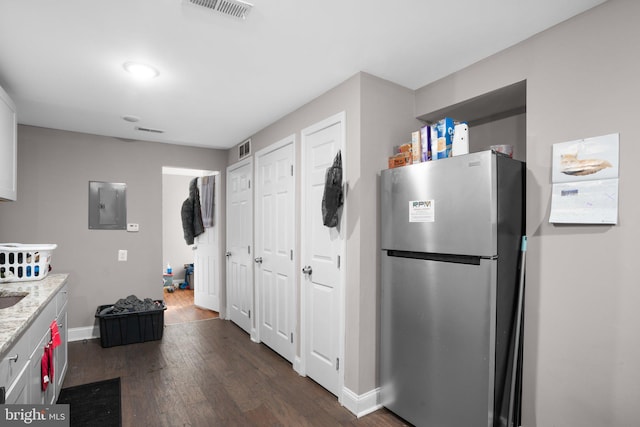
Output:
(14, 361)
(42, 323)
(61, 299)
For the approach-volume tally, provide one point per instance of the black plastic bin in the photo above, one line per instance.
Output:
(131, 327)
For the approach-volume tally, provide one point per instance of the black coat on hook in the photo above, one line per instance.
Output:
(192, 214)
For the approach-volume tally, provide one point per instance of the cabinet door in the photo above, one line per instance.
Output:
(60, 352)
(34, 374)
(33, 378)
(18, 393)
(14, 361)
(8, 147)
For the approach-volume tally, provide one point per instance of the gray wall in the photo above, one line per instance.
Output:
(345, 97)
(582, 352)
(379, 115)
(54, 168)
(387, 120)
(511, 130)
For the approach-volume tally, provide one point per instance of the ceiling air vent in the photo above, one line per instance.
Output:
(141, 129)
(235, 8)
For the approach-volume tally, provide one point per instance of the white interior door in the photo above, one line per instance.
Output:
(322, 249)
(275, 227)
(239, 244)
(206, 273)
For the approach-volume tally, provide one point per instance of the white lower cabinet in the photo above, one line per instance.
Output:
(17, 393)
(60, 354)
(36, 395)
(13, 370)
(21, 368)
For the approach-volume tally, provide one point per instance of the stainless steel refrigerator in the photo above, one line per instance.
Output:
(450, 239)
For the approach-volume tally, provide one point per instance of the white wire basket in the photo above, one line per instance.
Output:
(21, 263)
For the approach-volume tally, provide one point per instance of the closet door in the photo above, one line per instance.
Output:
(239, 244)
(275, 239)
(321, 277)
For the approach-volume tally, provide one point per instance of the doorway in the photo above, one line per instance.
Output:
(322, 279)
(239, 245)
(275, 234)
(180, 291)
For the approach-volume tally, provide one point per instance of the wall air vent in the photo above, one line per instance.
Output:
(141, 129)
(236, 8)
(244, 149)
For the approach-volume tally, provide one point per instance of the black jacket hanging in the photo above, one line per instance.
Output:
(333, 196)
(192, 214)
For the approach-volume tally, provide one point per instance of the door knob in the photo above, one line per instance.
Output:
(228, 254)
(307, 269)
(258, 260)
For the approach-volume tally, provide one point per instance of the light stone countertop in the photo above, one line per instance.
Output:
(16, 319)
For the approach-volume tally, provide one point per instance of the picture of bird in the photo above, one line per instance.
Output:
(570, 165)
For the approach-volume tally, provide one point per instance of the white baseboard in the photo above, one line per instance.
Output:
(83, 333)
(361, 405)
(297, 366)
(254, 336)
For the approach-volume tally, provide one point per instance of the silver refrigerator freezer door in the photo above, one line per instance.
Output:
(437, 339)
(446, 206)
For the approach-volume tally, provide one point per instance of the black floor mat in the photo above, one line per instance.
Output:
(95, 404)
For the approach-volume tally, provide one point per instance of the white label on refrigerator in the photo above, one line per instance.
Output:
(421, 211)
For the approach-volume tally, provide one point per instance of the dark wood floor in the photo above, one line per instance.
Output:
(209, 373)
(180, 308)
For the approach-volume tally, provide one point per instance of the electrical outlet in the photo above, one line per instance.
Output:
(122, 255)
(133, 227)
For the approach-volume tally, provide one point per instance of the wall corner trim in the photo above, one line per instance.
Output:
(361, 405)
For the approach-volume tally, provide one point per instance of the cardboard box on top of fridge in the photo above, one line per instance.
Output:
(425, 141)
(416, 147)
(402, 156)
(400, 159)
(405, 148)
(444, 129)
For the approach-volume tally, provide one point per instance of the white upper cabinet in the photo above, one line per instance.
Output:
(8, 147)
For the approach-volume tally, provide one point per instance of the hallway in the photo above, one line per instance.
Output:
(209, 373)
(180, 308)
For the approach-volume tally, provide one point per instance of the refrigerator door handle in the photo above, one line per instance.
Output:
(428, 256)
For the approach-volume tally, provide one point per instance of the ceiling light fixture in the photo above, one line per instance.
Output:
(141, 71)
(131, 119)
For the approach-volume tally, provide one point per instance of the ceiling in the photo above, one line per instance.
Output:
(221, 78)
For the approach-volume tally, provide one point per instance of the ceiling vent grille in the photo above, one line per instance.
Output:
(236, 8)
(141, 129)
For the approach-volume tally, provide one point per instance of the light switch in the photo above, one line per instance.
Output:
(133, 228)
(122, 255)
